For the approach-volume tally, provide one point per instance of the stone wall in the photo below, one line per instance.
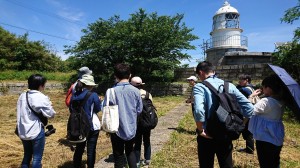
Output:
(19, 87)
(241, 58)
(225, 72)
(161, 89)
(181, 74)
(156, 89)
(229, 72)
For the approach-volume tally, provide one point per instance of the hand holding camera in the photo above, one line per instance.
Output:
(51, 130)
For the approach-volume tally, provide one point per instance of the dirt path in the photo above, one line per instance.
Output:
(159, 136)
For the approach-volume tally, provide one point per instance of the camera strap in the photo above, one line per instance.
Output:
(42, 118)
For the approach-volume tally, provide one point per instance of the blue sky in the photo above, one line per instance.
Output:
(260, 19)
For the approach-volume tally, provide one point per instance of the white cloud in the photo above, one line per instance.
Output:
(68, 13)
(71, 29)
(71, 15)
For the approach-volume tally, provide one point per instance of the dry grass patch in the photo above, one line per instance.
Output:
(58, 151)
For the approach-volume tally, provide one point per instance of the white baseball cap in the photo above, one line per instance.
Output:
(194, 78)
(136, 81)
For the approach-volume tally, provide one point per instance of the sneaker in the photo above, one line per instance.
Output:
(146, 162)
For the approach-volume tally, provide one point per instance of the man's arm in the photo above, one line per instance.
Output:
(199, 113)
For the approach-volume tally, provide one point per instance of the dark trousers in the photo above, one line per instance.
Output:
(91, 143)
(118, 146)
(268, 154)
(207, 148)
(248, 137)
(145, 136)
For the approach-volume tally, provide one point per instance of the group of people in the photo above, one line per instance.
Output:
(263, 120)
(128, 96)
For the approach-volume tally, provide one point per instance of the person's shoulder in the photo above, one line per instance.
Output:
(94, 94)
(38, 94)
(136, 90)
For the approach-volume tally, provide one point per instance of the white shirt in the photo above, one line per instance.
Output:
(143, 94)
(29, 125)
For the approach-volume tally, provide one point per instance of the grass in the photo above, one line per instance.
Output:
(181, 150)
(10, 75)
(58, 151)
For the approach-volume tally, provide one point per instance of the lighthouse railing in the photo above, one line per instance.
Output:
(227, 41)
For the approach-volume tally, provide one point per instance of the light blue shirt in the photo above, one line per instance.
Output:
(205, 100)
(129, 101)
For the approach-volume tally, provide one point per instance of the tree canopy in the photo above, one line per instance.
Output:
(152, 45)
(18, 53)
(288, 55)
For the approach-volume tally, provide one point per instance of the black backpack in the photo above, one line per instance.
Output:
(227, 121)
(78, 123)
(147, 120)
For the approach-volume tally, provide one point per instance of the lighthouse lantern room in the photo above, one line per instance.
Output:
(226, 34)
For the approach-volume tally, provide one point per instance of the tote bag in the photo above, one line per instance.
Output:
(110, 116)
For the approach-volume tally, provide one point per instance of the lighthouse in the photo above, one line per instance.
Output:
(226, 35)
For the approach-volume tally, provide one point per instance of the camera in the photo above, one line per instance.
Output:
(51, 130)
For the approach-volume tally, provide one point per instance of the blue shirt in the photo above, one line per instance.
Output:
(204, 103)
(245, 90)
(129, 101)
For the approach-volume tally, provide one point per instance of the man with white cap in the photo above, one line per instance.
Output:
(192, 81)
(142, 134)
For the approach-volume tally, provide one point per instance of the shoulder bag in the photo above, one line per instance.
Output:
(110, 115)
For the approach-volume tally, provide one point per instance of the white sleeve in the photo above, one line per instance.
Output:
(42, 103)
(260, 107)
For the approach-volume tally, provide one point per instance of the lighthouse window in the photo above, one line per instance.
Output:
(232, 20)
(231, 16)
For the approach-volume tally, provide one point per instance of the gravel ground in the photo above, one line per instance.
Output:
(159, 136)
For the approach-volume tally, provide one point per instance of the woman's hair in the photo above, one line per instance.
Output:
(35, 81)
(273, 82)
(79, 86)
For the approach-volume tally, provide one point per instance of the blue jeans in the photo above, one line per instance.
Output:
(91, 143)
(34, 148)
(145, 136)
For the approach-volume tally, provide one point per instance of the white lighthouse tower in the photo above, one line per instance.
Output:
(225, 35)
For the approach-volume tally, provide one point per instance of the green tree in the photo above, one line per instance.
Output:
(288, 55)
(18, 53)
(8, 43)
(151, 44)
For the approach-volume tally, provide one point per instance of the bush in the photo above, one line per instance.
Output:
(23, 75)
